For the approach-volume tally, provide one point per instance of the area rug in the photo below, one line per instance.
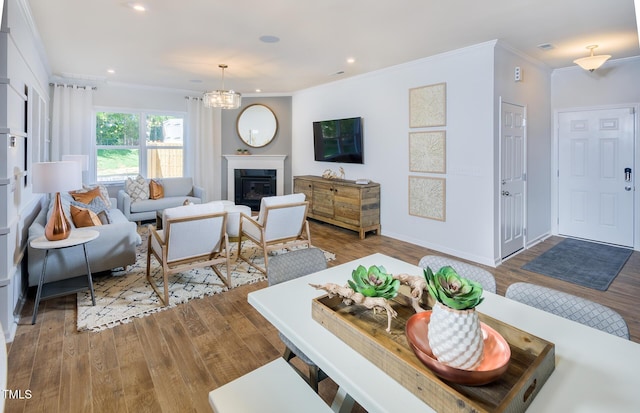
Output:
(580, 262)
(123, 295)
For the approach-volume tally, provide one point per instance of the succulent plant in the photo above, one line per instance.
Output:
(374, 282)
(452, 290)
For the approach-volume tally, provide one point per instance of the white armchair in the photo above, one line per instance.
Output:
(192, 236)
(281, 223)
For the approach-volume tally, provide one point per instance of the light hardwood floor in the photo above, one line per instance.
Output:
(169, 361)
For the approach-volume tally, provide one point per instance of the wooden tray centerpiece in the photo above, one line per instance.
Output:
(532, 358)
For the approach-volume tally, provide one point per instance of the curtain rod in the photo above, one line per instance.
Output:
(79, 87)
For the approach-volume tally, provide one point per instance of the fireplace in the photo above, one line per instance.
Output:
(251, 185)
(234, 162)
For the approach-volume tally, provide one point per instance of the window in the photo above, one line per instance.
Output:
(120, 153)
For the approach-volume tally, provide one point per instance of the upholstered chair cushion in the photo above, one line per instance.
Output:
(282, 223)
(190, 238)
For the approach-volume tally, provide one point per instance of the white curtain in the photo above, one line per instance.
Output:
(205, 137)
(71, 121)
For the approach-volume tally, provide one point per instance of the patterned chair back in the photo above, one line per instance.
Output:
(569, 306)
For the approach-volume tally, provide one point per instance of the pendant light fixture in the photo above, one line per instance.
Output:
(225, 99)
(592, 62)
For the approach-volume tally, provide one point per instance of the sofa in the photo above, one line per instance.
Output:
(175, 192)
(115, 247)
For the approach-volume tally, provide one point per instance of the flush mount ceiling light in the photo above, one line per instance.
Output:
(592, 62)
(225, 99)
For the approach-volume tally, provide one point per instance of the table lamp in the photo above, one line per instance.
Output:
(51, 177)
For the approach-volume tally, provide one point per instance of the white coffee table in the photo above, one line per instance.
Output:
(69, 285)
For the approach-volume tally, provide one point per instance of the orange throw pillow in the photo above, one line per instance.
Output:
(156, 191)
(83, 217)
(86, 197)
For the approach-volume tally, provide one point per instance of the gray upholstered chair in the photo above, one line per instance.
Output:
(286, 267)
(569, 306)
(472, 272)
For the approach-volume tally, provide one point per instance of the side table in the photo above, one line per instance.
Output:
(70, 285)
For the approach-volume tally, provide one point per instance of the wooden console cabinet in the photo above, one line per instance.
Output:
(341, 202)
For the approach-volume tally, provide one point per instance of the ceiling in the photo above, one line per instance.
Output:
(179, 44)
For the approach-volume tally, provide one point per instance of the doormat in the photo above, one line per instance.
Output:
(580, 262)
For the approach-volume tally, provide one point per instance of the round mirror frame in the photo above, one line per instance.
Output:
(245, 117)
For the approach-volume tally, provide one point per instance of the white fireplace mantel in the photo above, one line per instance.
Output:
(254, 162)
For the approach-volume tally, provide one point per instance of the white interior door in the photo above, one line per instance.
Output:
(595, 194)
(513, 178)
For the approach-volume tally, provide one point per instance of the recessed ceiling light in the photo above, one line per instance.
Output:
(258, 90)
(111, 71)
(269, 39)
(545, 46)
(351, 60)
(138, 7)
(339, 72)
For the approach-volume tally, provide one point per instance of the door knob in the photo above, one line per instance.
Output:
(505, 193)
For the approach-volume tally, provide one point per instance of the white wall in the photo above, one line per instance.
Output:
(533, 92)
(616, 83)
(382, 99)
(25, 75)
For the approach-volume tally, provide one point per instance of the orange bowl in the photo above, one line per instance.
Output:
(494, 363)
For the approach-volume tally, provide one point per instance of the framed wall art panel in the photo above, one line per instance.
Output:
(427, 152)
(428, 106)
(427, 197)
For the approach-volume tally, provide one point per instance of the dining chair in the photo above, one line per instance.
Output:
(472, 272)
(192, 236)
(280, 224)
(286, 267)
(569, 306)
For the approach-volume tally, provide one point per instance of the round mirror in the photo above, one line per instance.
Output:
(257, 125)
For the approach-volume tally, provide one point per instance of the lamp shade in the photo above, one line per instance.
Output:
(51, 177)
(83, 159)
(592, 62)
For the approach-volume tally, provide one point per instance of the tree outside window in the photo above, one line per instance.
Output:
(122, 154)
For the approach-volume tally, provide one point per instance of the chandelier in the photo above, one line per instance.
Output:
(225, 99)
(592, 62)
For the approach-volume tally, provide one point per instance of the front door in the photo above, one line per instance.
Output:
(513, 178)
(595, 176)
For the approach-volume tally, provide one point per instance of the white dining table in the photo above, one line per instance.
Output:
(594, 371)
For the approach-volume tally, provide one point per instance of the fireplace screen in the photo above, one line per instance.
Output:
(251, 185)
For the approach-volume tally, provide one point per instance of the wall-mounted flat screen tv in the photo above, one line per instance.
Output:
(338, 140)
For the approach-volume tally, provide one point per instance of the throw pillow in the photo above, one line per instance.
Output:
(104, 193)
(137, 189)
(83, 217)
(155, 190)
(86, 196)
(98, 207)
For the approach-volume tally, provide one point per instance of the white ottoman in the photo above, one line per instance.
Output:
(233, 219)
